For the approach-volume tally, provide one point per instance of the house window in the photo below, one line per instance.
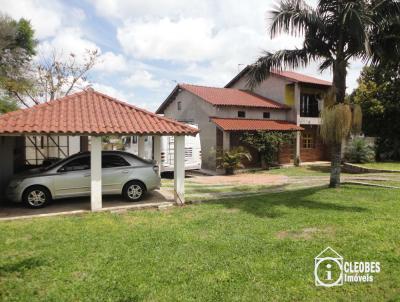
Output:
(266, 115)
(309, 105)
(134, 139)
(241, 114)
(308, 141)
(179, 105)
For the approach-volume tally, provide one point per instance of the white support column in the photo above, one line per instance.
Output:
(157, 151)
(141, 146)
(179, 169)
(297, 96)
(226, 141)
(95, 173)
(297, 159)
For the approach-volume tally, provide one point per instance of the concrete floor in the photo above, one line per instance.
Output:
(154, 199)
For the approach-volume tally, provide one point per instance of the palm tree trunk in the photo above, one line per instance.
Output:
(339, 82)
(336, 158)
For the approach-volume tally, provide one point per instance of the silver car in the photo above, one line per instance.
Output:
(122, 173)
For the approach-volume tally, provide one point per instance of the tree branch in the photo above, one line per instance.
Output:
(21, 100)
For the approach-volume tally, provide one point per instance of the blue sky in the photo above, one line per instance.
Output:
(148, 46)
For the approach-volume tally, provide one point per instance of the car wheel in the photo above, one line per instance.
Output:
(134, 191)
(36, 197)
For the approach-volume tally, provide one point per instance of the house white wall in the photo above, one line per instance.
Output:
(197, 111)
(272, 88)
(251, 113)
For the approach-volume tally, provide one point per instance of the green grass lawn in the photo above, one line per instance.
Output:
(198, 188)
(382, 165)
(249, 249)
(392, 183)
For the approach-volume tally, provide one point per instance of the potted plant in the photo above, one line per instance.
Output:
(232, 160)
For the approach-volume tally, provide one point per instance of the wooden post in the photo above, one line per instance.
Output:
(95, 174)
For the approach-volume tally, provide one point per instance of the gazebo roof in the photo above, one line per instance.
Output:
(89, 113)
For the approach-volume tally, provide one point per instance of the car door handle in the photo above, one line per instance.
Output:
(125, 171)
(86, 175)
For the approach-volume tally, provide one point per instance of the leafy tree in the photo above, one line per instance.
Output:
(267, 143)
(7, 104)
(17, 46)
(378, 93)
(335, 32)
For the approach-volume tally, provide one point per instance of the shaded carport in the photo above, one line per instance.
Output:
(90, 113)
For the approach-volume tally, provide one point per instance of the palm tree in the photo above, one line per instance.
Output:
(335, 32)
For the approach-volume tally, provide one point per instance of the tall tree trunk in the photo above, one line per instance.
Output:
(336, 157)
(339, 83)
(339, 80)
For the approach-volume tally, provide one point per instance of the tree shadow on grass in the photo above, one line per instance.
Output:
(21, 266)
(322, 169)
(267, 205)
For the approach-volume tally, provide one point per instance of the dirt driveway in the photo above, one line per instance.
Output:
(241, 179)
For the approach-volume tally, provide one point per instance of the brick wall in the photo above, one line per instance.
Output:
(286, 154)
(320, 150)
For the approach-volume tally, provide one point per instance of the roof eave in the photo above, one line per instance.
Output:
(166, 102)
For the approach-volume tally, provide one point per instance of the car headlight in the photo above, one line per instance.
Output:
(15, 183)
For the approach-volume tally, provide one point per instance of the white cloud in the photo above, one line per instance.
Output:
(69, 40)
(143, 78)
(210, 38)
(123, 9)
(113, 92)
(188, 39)
(45, 16)
(111, 62)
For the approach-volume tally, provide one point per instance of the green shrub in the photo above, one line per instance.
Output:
(232, 160)
(359, 152)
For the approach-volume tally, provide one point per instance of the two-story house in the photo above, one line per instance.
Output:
(285, 101)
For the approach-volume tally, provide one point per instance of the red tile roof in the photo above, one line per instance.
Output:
(290, 75)
(301, 78)
(226, 97)
(237, 124)
(89, 113)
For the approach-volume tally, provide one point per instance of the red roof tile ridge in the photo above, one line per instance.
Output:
(250, 119)
(203, 86)
(264, 98)
(140, 109)
(40, 105)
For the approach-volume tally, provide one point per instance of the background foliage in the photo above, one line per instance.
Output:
(267, 143)
(378, 94)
